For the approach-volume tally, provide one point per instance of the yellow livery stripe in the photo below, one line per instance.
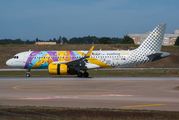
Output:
(141, 105)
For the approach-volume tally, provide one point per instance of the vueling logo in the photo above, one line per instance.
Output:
(113, 53)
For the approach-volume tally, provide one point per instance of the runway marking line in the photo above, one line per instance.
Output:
(122, 81)
(87, 101)
(142, 105)
(97, 93)
(38, 87)
(48, 89)
(79, 101)
(74, 96)
(28, 86)
(67, 83)
(20, 87)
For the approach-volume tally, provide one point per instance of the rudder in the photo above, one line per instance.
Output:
(154, 41)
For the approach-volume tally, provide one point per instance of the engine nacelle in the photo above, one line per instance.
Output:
(60, 69)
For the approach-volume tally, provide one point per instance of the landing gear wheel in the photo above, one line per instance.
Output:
(27, 75)
(79, 74)
(86, 74)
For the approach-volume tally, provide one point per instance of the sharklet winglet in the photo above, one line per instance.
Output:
(89, 52)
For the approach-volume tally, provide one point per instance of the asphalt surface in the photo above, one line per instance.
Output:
(151, 93)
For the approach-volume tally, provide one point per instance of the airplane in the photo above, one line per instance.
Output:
(73, 62)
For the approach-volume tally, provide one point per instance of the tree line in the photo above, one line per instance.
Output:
(79, 40)
(74, 40)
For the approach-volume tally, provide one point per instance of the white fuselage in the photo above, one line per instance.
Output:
(110, 58)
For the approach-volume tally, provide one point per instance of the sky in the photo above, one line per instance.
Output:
(48, 19)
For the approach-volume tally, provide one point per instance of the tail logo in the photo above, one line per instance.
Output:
(155, 34)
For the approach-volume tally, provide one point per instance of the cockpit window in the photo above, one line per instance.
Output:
(16, 57)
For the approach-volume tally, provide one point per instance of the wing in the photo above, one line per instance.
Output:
(78, 62)
(81, 60)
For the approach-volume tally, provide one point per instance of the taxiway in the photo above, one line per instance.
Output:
(152, 93)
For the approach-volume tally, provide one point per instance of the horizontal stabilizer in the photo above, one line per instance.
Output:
(159, 55)
(154, 55)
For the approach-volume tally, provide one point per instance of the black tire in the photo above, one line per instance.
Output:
(79, 74)
(86, 74)
(27, 75)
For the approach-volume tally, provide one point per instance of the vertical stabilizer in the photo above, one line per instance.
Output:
(154, 41)
(151, 46)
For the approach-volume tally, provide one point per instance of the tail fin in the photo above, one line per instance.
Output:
(153, 42)
(150, 49)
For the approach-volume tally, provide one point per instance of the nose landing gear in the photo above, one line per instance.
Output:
(28, 73)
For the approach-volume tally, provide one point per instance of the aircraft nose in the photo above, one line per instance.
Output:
(8, 63)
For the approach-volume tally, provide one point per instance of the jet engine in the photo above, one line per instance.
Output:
(60, 69)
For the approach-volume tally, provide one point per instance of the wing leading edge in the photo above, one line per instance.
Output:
(81, 60)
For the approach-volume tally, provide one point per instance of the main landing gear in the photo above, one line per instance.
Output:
(28, 73)
(86, 74)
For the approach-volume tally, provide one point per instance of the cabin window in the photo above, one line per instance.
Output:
(16, 57)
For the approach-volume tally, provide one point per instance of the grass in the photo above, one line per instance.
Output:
(60, 113)
(101, 73)
(177, 88)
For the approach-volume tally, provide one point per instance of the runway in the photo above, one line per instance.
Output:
(151, 93)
